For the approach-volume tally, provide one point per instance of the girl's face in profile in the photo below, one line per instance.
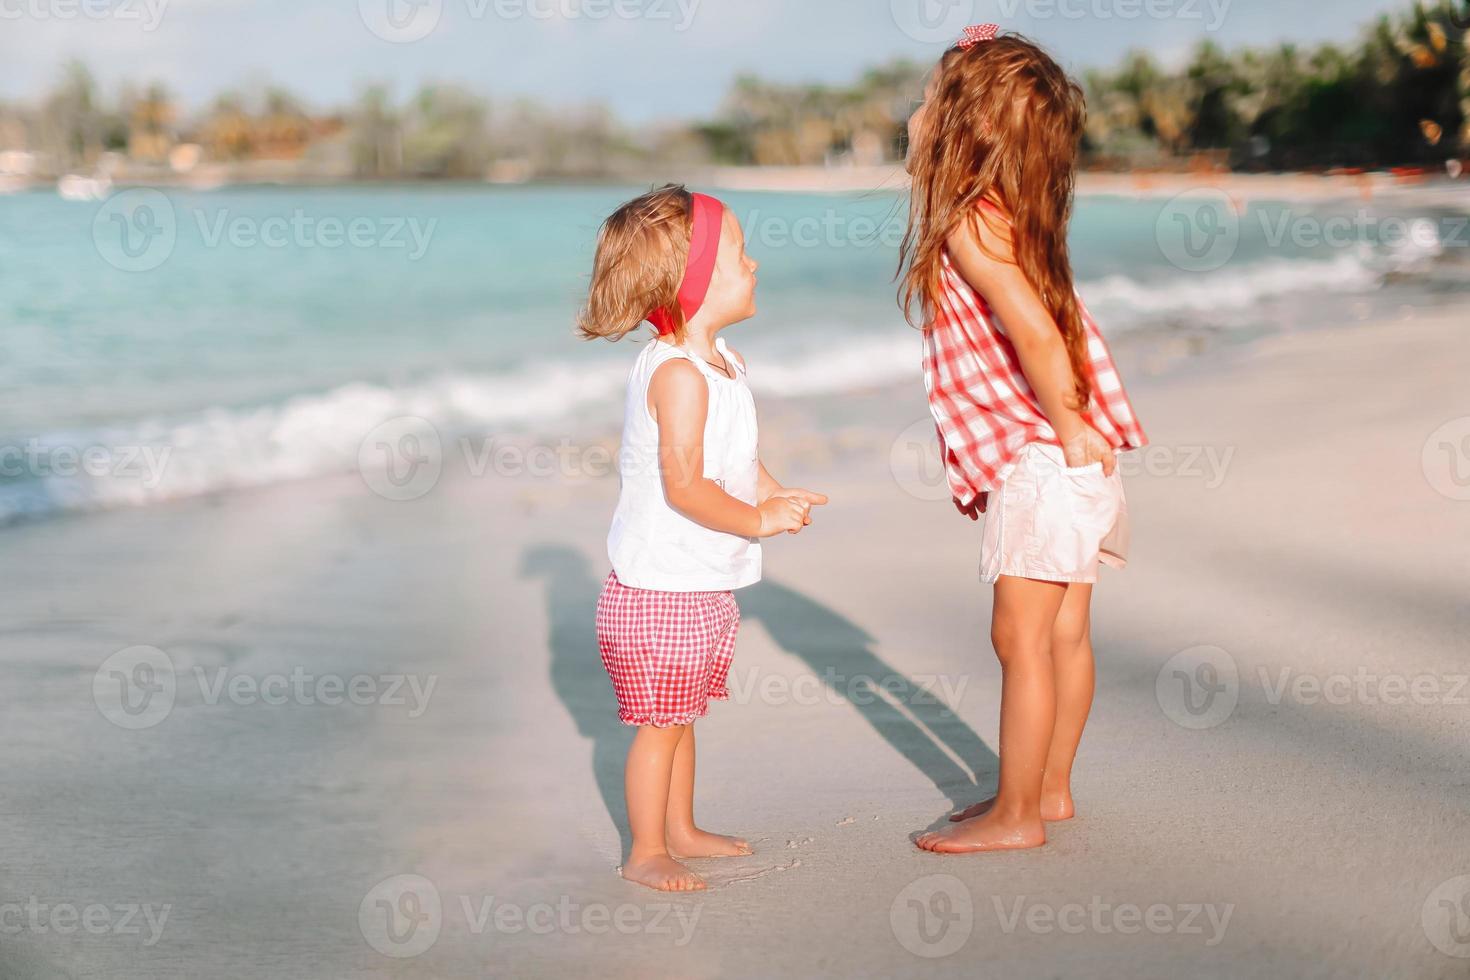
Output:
(732, 287)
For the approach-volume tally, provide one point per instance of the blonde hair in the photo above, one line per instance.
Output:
(1007, 124)
(642, 250)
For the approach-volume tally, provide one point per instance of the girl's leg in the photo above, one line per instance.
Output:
(1072, 666)
(685, 839)
(1021, 626)
(1072, 669)
(649, 769)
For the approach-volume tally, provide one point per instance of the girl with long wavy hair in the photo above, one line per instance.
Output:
(1029, 406)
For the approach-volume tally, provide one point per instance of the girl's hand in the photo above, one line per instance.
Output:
(973, 509)
(1088, 447)
(780, 513)
(810, 497)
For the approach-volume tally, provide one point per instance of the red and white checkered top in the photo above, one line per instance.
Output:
(983, 405)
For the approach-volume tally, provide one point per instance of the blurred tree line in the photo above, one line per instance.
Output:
(1400, 96)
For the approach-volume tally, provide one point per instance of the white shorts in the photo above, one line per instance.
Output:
(1053, 522)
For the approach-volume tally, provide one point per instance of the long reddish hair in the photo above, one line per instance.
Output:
(1004, 126)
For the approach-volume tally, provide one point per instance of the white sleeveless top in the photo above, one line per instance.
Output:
(653, 546)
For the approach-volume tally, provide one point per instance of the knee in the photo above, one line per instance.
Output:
(1069, 639)
(1013, 645)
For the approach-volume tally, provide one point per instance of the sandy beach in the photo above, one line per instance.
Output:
(380, 743)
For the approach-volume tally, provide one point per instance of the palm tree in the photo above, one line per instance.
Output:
(285, 128)
(229, 132)
(150, 125)
(446, 134)
(377, 135)
(73, 120)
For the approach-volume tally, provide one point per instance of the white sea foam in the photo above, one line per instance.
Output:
(1120, 302)
(315, 435)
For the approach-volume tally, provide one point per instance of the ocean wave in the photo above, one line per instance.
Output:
(1122, 302)
(316, 435)
(303, 437)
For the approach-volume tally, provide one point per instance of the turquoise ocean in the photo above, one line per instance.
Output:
(257, 334)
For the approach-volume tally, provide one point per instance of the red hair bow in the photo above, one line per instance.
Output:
(975, 35)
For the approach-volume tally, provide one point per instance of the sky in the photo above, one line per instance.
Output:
(647, 59)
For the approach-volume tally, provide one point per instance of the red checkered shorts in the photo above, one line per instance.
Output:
(668, 653)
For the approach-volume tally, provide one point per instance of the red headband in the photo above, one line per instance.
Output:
(704, 246)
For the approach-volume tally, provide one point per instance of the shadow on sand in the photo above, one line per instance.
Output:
(577, 674)
(912, 718)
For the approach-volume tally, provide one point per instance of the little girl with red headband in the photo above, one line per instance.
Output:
(695, 501)
(1029, 406)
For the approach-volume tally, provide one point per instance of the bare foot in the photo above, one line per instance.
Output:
(696, 843)
(988, 832)
(1054, 807)
(662, 873)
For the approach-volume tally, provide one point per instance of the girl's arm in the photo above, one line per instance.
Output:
(768, 486)
(678, 397)
(983, 252)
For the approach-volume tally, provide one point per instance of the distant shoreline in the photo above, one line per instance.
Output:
(1296, 186)
(848, 180)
